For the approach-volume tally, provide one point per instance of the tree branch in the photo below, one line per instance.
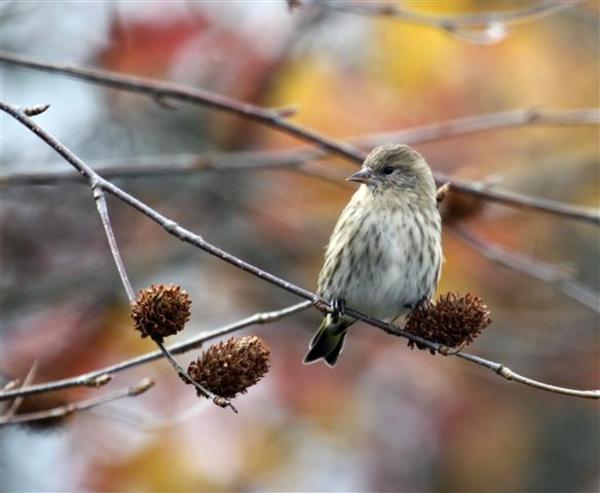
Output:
(14, 407)
(320, 303)
(112, 242)
(486, 122)
(273, 119)
(191, 163)
(535, 268)
(105, 374)
(170, 165)
(116, 254)
(67, 409)
(183, 164)
(478, 28)
(177, 92)
(489, 193)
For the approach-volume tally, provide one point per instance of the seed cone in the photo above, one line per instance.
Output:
(161, 310)
(457, 207)
(454, 321)
(229, 368)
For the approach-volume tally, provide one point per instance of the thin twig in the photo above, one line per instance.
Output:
(486, 122)
(273, 119)
(542, 9)
(14, 407)
(478, 28)
(114, 249)
(488, 192)
(178, 348)
(532, 267)
(103, 212)
(11, 384)
(168, 91)
(183, 164)
(498, 368)
(319, 302)
(169, 165)
(67, 409)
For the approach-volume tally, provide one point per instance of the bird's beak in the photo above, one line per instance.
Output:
(363, 176)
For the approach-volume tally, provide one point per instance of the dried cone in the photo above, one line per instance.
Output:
(454, 321)
(456, 207)
(229, 368)
(161, 310)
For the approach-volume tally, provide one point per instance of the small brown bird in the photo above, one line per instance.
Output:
(385, 253)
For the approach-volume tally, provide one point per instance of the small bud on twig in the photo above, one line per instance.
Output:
(286, 111)
(161, 310)
(12, 384)
(454, 321)
(36, 110)
(141, 387)
(99, 381)
(229, 368)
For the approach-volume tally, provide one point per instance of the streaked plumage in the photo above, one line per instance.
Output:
(384, 255)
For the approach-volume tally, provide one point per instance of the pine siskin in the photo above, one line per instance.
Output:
(385, 253)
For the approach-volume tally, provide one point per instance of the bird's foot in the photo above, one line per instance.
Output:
(339, 306)
(451, 351)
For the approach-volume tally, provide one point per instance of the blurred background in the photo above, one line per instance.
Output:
(387, 418)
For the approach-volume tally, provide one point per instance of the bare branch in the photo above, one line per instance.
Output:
(171, 91)
(535, 268)
(169, 165)
(479, 28)
(498, 368)
(14, 407)
(112, 242)
(273, 119)
(487, 192)
(11, 384)
(67, 409)
(172, 165)
(178, 348)
(103, 212)
(320, 303)
(483, 123)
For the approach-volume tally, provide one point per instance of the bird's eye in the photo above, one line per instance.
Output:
(388, 170)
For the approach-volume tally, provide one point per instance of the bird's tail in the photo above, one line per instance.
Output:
(328, 342)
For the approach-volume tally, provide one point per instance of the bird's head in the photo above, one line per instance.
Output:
(397, 168)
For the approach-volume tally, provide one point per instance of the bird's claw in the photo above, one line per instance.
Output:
(451, 351)
(339, 306)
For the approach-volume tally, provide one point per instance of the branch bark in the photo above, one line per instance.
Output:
(102, 376)
(320, 303)
(532, 267)
(67, 409)
(275, 120)
(169, 165)
(102, 208)
(479, 28)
